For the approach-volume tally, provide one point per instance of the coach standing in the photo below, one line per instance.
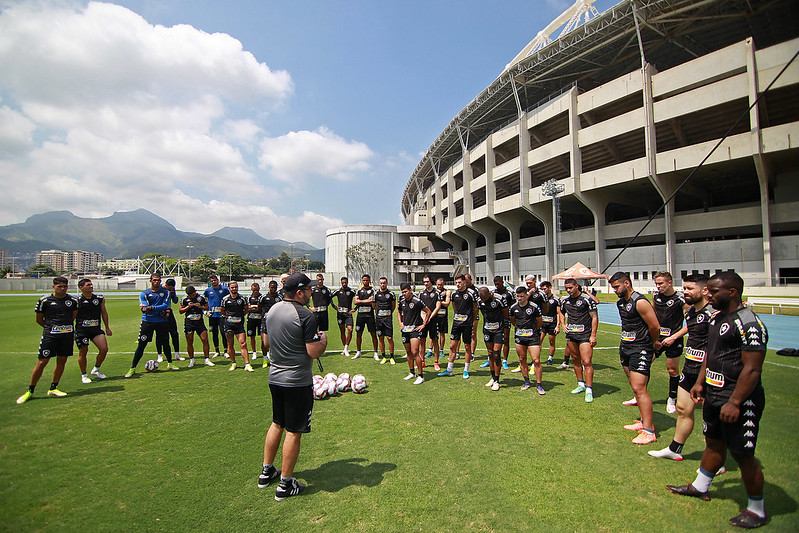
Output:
(294, 342)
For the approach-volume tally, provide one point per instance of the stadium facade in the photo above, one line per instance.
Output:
(618, 111)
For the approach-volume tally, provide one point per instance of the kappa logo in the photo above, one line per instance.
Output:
(753, 342)
(749, 444)
(749, 424)
(749, 403)
(749, 434)
(752, 329)
(749, 413)
(724, 329)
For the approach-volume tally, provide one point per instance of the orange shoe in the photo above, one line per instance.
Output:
(437, 367)
(635, 426)
(645, 437)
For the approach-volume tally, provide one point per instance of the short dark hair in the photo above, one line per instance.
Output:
(343, 278)
(383, 278)
(427, 277)
(155, 274)
(460, 276)
(569, 281)
(620, 276)
(213, 276)
(367, 276)
(405, 285)
(701, 279)
(546, 284)
(730, 280)
(440, 279)
(521, 290)
(190, 289)
(83, 282)
(498, 278)
(663, 274)
(273, 282)
(60, 280)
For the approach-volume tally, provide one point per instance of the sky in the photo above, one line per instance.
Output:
(285, 117)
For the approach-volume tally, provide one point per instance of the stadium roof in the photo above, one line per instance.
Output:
(604, 48)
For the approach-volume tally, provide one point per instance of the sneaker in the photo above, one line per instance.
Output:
(129, 373)
(216, 354)
(160, 358)
(96, 373)
(376, 356)
(688, 490)
(540, 390)
(346, 352)
(526, 385)
(383, 361)
(172, 366)
(56, 393)
(410, 375)
(635, 426)
(550, 361)
(632, 402)
(25, 397)
(671, 406)
(232, 367)
(645, 437)
(179, 357)
(248, 367)
(227, 355)
(589, 396)
(428, 354)
(288, 488)
(748, 520)
(485, 364)
(208, 362)
(490, 382)
(563, 366)
(466, 374)
(516, 370)
(665, 453)
(444, 374)
(579, 389)
(191, 362)
(505, 365)
(394, 362)
(495, 386)
(419, 380)
(85, 379)
(357, 355)
(267, 476)
(253, 356)
(436, 366)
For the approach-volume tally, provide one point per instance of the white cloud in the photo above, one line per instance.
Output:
(300, 155)
(16, 131)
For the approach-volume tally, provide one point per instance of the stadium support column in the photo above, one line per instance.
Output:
(661, 186)
(761, 165)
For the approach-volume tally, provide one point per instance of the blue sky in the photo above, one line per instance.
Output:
(232, 138)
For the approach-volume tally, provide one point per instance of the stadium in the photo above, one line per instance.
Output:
(610, 117)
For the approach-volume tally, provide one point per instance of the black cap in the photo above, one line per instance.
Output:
(296, 282)
(170, 282)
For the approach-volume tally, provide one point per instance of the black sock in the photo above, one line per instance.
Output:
(30, 388)
(53, 385)
(566, 359)
(673, 384)
(675, 446)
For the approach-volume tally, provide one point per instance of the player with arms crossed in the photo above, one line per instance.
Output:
(430, 298)
(91, 309)
(56, 315)
(254, 319)
(413, 316)
(495, 314)
(639, 340)
(234, 308)
(526, 318)
(734, 397)
(552, 320)
(670, 308)
(508, 298)
(264, 305)
(345, 295)
(214, 295)
(365, 317)
(193, 307)
(321, 298)
(442, 320)
(464, 308)
(385, 302)
(582, 322)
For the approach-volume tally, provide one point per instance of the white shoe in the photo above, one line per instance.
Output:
(227, 355)
(96, 373)
(563, 366)
(495, 386)
(179, 357)
(85, 379)
(208, 362)
(419, 380)
(409, 376)
(671, 406)
(191, 362)
(357, 355)
(254, 356)
(632, 402)
(160, 358)
(345, 353)
(490, 383)
(269, 355)
(377, 357)
(248, 367)
(665, 453)
(216, 354)
(232, 367)
(516, 370)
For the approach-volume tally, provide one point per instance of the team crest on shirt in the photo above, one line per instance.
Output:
(68, 303)
(45, 352)
(96, 301)
(724, 329)
(670, 303)
(579, 303)
(529, 311)
(629, 307)
(700, 318)
(410, 305)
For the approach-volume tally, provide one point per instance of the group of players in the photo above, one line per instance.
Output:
(724, 352)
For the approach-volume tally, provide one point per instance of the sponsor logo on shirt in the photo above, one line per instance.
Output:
(715, 379)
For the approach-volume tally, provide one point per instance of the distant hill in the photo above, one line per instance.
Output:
(134, 233)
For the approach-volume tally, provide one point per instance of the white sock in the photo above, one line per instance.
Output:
(83, 374)
(95, 369)
(581, 383)
(450, 367)
(757, 506)
(466, 367)
(703, 481)
(589, 389)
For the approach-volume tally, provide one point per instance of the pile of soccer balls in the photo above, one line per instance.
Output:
(333, 385)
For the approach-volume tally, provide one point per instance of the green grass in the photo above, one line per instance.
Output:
(180, 451)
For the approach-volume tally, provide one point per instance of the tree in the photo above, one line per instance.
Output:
(5, 271)
(40, 270)
(202, 267)
(365, 258)
(316, 266)
(108, 271)
(234, 267)
(281, 264)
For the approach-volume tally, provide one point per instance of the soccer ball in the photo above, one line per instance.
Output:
(343, 383)
(330, 375)
(317, 379)
(151, 365)
(331, 386)
(359, 384)
(320, 392)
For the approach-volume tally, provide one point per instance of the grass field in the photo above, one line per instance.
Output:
(180, 451)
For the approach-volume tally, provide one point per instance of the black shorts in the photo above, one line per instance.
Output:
(148, 328)
(494, 337)
(322, 320)
(461, 331)
(408, 335)
(636, 359)
(688, 380)
(253, 327)
(675, 350)
(234, 328)
(56, 345)
(741, 436)
(532, 340)
(442, 324)
(85, 335)
(194, 326)
(216, 322)
(292, 407)
(384, 326)
(431, 330)
(344, 318)
(548, 328)
(365, 321)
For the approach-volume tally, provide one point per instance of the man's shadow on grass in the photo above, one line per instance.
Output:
(97, 390)
(731, 488)
(342, 473)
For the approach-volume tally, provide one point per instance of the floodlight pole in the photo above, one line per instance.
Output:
(189, 246)
(552, 189)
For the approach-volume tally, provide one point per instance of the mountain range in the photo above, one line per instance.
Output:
(135, 233)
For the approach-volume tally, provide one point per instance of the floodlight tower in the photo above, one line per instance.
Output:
(552, 189)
